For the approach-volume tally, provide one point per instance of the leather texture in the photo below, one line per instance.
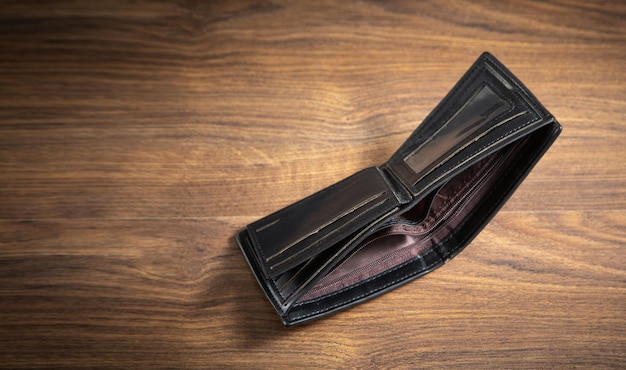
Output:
(385, 226)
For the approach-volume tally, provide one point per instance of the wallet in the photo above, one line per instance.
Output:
(390, 224)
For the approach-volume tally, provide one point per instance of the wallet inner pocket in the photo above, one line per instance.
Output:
(415, 232)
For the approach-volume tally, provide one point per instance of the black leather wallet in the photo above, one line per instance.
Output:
(385, 226)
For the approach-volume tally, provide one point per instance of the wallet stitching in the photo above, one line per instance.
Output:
(407, 276)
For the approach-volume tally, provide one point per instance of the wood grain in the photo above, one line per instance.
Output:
(136, 138)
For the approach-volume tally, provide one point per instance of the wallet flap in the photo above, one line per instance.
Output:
(487, 109)
(293, 235)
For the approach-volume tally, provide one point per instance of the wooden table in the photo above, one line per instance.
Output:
(136, 139)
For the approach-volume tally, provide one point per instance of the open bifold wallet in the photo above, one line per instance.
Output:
(385, 226)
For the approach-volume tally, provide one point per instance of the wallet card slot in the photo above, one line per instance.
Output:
(293, 235)
(328, 235)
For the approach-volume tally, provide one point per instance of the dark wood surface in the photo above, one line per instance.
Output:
(136, 139)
